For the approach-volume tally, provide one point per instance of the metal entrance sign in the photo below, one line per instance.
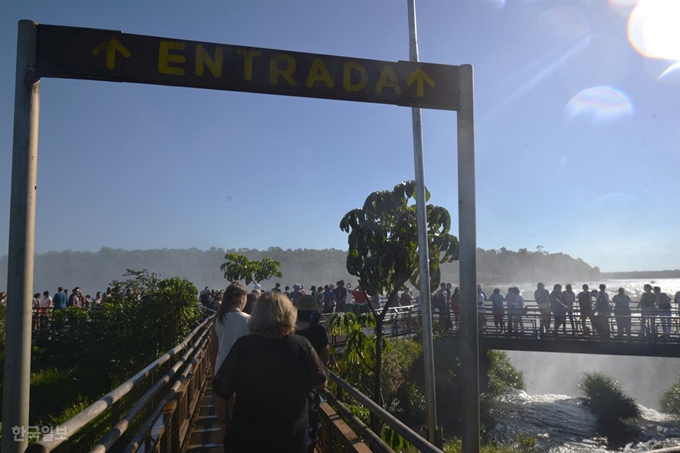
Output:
(86, 53)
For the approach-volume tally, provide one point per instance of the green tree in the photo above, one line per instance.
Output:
(383, 252)
(670, 400)
(238, 267)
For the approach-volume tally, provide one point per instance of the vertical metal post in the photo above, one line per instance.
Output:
(21, 241)
(423, 249)
(469, 341)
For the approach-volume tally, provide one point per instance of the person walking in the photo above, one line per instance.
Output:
(271, 372)
(307, 325)
(230, 324)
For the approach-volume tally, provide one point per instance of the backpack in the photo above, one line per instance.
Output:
(602, 304)
(664, 301)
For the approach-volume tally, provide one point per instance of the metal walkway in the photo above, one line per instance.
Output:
(204, 433)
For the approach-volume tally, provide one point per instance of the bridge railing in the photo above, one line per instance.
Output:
(346, 393)
(145, 392)
(404, 321)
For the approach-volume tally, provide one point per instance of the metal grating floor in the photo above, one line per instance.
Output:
(204, 435)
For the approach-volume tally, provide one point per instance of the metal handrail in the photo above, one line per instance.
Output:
(400, 428)
(76, 423)
(360, 427)
(119, 429)
(143, 432)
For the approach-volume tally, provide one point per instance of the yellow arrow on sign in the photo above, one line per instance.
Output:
(111, 45)
(420, 76)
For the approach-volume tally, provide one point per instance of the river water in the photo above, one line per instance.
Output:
(563, 424)
(553, 410)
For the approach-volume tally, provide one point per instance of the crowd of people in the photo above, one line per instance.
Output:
(589, 311)
(63, 299)
(329, 298)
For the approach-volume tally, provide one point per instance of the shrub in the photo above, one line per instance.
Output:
(523, 443)
(607, 399)
(670, 400)
(503, 376)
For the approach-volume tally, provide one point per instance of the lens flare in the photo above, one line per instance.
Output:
(604, 61)
(653, 29)
(671, 74)
(623, 7)
(600, 104)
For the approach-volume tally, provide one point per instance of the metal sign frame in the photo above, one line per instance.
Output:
(70, 52)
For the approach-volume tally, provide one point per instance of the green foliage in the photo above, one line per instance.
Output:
(402, 397)
(383, 253)
(670, 400)
(607, 399)
(359, 353)
(238, 267)
(89, 352)
(393, 439)
(503, 376)
(523, 444)
(383, 240)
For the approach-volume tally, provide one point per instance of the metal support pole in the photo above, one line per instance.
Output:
(469, 340)
(21, 242)
(423, 249)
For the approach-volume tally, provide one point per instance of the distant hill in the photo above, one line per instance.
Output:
(641, 274)
(93, 271)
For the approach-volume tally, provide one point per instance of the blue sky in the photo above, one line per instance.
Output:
(577, 129)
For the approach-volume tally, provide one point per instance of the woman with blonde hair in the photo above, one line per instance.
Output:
(271, 373)
(230, 324)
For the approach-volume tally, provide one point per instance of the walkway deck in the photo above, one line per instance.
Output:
(204, 434)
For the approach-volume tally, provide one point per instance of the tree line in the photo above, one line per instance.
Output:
(93, 271)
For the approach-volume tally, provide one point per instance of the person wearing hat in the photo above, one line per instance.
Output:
(297, 293)
(308, 326)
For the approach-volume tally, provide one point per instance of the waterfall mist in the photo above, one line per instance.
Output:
(643, 378)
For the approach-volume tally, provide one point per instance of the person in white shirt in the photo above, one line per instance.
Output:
(230, 325)
(46, 301)
(481, 314)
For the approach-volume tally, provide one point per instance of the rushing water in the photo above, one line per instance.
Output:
(562, 423)
(559, 419)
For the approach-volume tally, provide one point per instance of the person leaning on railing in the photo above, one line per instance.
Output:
(622, 313)
(648, 312)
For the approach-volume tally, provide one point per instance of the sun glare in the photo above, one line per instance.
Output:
(654, 30)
